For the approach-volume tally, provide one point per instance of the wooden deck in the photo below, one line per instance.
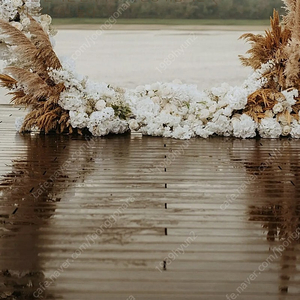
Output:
(145, 218)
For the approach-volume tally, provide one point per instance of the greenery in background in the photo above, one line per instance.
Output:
(164, 9)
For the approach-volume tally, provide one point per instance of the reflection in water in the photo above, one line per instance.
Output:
(41, 224)
(52, 171)
(29, 194)
(277, 167)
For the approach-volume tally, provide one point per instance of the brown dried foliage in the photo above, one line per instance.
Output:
(260, 102)
(270, 46)
(30, 83)
(280, 44)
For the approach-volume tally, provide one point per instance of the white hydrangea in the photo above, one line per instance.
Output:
(9, 8)
(269, 128)
(17, 3)
(290, 100)
(244, 126)
(100, 105)
(277, 108)
(295, 130)
(78, 119)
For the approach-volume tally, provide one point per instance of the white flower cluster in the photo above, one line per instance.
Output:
(10, 8)
(173, 110)
(16, 12)
(91, 105)
(182, 111)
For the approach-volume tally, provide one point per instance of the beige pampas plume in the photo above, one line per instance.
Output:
(24, 49)
(7, 81)
(43, 44)
(30, 83)
(266, 47)
(292, 52)
(281, 45)
(290, 7)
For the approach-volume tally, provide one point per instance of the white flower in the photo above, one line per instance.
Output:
(269, 128)
(282, 118)
(133, 125)
(244, 126)
(295, 132)
(17, 25)
(182, 133)
(166, 93)
(227, 111)
(17, 3)
(100, 105)
(286, 130)
(204, 114)
(237, 97)
(78, 119)
(151, 94)
(25, 22)
(46, 19)
(105, 114)
(277, 108)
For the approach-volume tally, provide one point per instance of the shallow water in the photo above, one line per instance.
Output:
(131, 58)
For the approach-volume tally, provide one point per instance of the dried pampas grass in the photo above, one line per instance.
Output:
(30, 84)
(281, 45)
(269, 47)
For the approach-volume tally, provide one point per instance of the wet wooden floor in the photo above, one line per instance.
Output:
(147, 218)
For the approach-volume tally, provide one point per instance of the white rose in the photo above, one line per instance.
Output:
(133, 125)
(17, 25)
(100, 105)
(166, 92)
(227, 111)
(151, 94)
(25, 22)
(286, 130)
(17, 3)
(277, 108)
(283, 120)
(46, 19)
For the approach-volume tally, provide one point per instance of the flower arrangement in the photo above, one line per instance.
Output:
(266, 104)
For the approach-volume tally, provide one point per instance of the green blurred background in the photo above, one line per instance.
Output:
(210, 12)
